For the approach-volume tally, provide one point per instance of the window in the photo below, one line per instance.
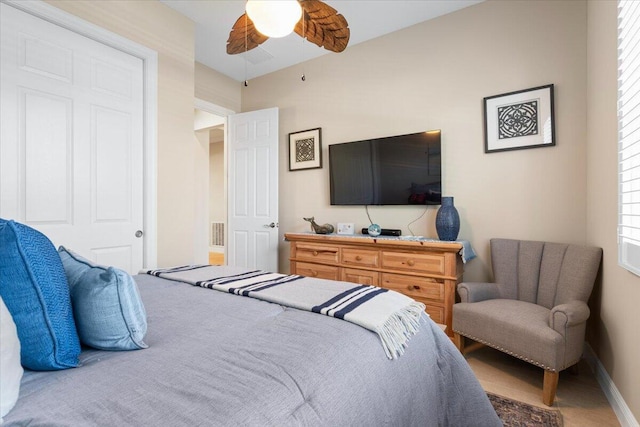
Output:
(629, 135)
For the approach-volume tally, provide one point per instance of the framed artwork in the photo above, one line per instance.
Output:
(518, 120)
(305, 150)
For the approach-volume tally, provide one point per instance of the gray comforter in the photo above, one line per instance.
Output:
(217, 359)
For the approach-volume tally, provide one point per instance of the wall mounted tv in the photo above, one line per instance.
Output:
(396, 170)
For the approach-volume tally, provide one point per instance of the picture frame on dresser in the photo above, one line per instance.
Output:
(519, 120)
(305, 149)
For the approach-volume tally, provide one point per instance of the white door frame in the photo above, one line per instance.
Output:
(149, 58)
(223, 112)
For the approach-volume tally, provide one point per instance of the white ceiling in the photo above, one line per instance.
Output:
(367, 20)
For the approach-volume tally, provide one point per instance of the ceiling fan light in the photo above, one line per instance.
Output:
(274, 18)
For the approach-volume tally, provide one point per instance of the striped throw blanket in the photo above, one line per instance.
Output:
(392, 315)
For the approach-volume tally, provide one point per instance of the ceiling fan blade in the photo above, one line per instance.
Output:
(323, 26)
(244, 30)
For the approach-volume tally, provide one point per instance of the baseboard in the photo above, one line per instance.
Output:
(619, 406)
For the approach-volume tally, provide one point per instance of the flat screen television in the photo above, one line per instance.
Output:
(395, 170)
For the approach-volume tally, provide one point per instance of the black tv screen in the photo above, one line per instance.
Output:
(396, 170)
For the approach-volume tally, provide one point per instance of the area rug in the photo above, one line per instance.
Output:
(519, 414)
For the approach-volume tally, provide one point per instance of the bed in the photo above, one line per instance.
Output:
(216, 346)
(219, 359)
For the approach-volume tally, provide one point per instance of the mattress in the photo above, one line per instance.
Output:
(217, 359)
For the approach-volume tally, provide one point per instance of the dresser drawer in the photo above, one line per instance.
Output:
(364, 277)
(424, 263)
(436, 313)
(360, 257)
(317, 253)
(415, 287)
(318, 270)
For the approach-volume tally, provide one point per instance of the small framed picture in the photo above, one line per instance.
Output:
(517, 120)
(305, 150)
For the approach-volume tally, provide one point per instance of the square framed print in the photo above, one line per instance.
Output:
(305, 150)
(518, 120)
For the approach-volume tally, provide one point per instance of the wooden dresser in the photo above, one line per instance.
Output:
(426, 270)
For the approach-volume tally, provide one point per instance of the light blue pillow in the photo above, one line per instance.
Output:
(34, 288)
(106, 303)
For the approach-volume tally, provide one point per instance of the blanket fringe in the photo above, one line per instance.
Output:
(399, 328)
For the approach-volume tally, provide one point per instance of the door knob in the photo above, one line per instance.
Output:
(272, 225)
(139, 233)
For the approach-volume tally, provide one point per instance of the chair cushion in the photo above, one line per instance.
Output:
(106, 304)
(515, 327)
(10, 368)
(35, 291)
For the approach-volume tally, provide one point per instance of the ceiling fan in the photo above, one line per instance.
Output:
(319, 23)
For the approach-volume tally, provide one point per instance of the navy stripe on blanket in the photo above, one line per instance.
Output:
(336, 307)
(158, 272)
(357, 303)
(228, 279)
(318, 308)
(261, 286)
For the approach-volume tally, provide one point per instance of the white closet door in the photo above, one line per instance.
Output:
(71, 139)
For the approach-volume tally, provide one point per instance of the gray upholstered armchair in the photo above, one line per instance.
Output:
(536, 309)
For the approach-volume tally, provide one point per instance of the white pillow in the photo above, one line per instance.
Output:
(10, 367)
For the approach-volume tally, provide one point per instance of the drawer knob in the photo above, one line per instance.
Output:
(414, 287)
(411, 263)
(314, 273)
(358, 258)
(315, 253)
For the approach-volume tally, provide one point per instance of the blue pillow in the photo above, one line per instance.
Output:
(106, 304)
(34, 288)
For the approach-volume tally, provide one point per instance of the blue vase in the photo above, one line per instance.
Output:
(447, 220)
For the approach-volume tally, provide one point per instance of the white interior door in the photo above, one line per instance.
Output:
(252, 142)
(71, 142)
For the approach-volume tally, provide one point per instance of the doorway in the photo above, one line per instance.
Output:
(250, 202)
(217, 205)
(209, 129)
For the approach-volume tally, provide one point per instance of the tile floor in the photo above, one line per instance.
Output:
(579, 398)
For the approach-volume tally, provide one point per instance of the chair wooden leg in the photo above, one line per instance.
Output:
(549, 387)
(458, 340)
(472, 347)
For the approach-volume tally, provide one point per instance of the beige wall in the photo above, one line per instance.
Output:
(434, 76)
(160, 28)
(217, 88)
(613, 332)
(200, 222)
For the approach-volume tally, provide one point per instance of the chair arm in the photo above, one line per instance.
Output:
(477, 291)
(566, 315)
